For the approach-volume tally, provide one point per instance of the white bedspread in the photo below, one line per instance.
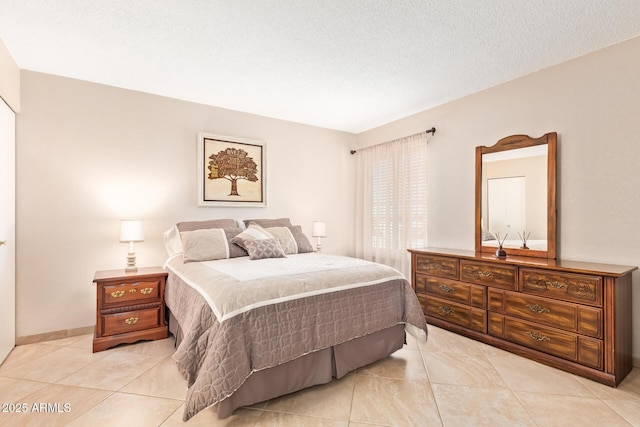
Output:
(235, 286)
(292, 264)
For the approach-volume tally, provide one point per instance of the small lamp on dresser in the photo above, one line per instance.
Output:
(319, 229)
(131, 231)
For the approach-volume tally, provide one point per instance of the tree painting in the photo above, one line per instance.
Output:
(233, 164)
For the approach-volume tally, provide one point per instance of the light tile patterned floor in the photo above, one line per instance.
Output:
(449, 381)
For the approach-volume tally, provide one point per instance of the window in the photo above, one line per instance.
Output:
(392, 201)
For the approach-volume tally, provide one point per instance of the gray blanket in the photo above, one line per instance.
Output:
(242, 316)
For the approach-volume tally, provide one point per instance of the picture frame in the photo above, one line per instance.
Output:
(231, 171)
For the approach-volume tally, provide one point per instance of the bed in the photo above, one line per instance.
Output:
(249, 328)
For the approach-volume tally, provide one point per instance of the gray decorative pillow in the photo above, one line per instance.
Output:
(234, 250)
(204, 245)
(266, 222)
(210, 223)
(264, 248)
(302, 241)
(292, 239)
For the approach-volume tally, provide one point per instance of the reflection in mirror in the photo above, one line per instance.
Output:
(514, 200)
(516, 196)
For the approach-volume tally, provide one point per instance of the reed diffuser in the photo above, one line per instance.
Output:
(500, 252)
(524, 237)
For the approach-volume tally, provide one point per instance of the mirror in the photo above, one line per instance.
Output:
(516, 196)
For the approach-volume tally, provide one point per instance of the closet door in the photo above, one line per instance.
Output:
(7, 230)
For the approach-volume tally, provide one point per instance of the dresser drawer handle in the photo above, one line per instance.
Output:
(557, 285)
(538, 309)
(485, 274)
(146, 291)
(446, 310)
(131, 320)
(117, 294)
(538, 336)
(446, 288)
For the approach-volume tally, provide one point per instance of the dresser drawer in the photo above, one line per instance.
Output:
(469, 317)
(570, 317)
(576, 348)
(119, 293)
(130, 321)
(464, 293)
(499, 276)
(437, 266)
(580, 288)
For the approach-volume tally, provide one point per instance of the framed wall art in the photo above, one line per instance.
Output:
(231, 171)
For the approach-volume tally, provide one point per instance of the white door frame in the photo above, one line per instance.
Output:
(7, 230)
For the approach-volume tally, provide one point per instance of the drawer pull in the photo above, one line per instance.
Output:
(445, 288)
(131, 320)
(133, 291)
(445, 310)
(557, 285)
(538, 336)
(538, 309)
(146, 291)
(117, 294)
(485, 274)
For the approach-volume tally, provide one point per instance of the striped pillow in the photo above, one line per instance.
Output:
(253, 232)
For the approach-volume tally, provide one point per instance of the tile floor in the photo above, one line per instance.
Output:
(449, 381)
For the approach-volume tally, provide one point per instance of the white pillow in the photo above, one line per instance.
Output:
(172, 241)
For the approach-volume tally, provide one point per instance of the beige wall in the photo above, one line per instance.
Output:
(593, 103)
(9, 79)
(89, 155)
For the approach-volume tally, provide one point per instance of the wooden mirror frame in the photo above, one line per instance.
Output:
(510, 143)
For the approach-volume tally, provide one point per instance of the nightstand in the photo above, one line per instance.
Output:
(130, 307)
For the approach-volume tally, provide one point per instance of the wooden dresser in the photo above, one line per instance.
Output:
(572, 315)
(130, 307)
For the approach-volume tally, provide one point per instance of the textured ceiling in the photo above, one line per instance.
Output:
(341, 64)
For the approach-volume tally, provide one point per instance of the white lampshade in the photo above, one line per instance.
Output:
(131, 231)
(319, 229)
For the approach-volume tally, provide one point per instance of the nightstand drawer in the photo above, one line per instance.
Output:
(130, 321)
(123, 292)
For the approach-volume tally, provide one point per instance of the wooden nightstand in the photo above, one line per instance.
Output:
(130, 307)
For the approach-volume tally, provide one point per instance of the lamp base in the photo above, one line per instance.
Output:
(131, 263)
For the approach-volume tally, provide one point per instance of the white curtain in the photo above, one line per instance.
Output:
(391, 204)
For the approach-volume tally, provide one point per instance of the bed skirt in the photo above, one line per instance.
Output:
(311, 369)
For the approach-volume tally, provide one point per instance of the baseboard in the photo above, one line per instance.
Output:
(55, 335)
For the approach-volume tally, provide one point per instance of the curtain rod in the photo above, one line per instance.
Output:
(432, 131)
